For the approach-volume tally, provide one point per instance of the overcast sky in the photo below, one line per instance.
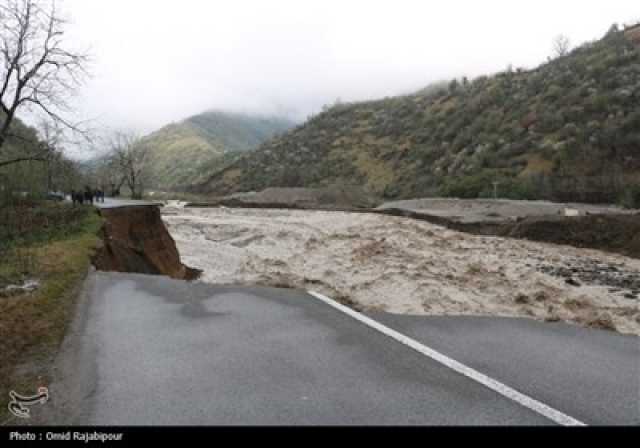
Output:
(158, 61)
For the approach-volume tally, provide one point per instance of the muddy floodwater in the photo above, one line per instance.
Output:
(404, 266)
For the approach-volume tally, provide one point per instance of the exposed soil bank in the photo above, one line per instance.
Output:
(330, 197)
(136, 240)
(500, 210)
(610, 233)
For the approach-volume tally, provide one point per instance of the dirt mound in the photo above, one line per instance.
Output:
(498, 210)
(618, 233)
(335, 196)
(136, 240)
(613, 233)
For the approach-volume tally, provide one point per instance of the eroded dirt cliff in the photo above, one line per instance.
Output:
(136, 240)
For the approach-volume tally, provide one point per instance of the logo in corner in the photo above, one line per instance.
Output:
(19, 404)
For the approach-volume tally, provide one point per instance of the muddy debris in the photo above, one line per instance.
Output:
(541, 296)
(576, 304)
(406, 266)
(571, 281)
(594, 272)
(601, 321)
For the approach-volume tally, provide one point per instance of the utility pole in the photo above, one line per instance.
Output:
(495, 189)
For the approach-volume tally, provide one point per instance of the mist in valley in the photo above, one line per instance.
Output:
(157, 62)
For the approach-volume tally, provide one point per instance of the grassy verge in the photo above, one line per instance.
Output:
(33, 324)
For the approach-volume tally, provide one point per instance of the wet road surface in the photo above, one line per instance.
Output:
(148, 350)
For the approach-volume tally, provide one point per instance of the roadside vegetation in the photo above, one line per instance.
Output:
(45, 252)
(630, 198)
(45, 243)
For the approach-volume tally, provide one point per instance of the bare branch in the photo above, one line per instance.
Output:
(22, 159)
(561, 46)
(129, 155)
(37, 70)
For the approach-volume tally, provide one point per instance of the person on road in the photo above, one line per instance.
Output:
(88, 195)
(77, 197)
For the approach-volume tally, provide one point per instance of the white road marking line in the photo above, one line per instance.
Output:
(497, 386)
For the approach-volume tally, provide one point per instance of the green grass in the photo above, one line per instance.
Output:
(33, 325)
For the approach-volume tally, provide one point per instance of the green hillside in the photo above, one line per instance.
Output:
(182, 152)
(34, 177)
(567, 130)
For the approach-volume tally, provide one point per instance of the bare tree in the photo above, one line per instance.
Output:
(561, 46)
(108, 174)
(37, 72)
(49, 148)
(62, 173)
(130, 154)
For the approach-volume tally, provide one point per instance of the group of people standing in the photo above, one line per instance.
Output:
(87, 196)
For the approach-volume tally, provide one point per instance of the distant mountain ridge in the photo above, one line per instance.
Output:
(182, 153)
(567, 130)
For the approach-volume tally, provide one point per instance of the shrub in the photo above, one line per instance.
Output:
(630, 198)
(469, 187)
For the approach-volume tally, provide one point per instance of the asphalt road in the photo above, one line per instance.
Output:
(115, 203)
(148, 350)
(591, 375)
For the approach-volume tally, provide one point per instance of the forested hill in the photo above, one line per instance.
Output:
(567, 130)
(29, 165)
(181, 153)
